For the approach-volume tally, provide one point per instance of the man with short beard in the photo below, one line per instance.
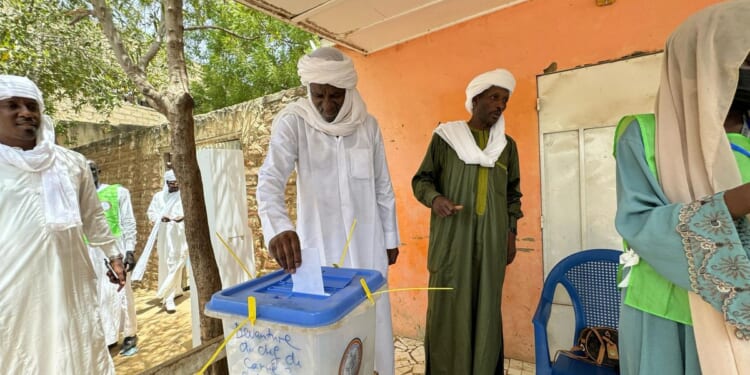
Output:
(337, 149)
(48, 318)
(470, 178)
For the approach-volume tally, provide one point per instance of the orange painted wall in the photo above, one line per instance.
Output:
(413, 86)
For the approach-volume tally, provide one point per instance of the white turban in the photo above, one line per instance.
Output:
(499, 77)
(457, 133)
(169, 176)
(23, 87)
(328, 66)
(60, 200)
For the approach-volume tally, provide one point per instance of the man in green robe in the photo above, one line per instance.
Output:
(470, 178)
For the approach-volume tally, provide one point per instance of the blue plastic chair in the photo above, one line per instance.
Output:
(590, 278)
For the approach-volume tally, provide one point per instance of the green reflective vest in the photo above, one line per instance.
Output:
(647, 290)
(741, 147)
(111, 206)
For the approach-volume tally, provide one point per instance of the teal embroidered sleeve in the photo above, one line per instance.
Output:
(718, 263)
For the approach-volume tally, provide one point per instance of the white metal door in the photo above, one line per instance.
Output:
(578, 112)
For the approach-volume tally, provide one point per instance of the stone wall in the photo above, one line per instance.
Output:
(87, 125)
(136, 160)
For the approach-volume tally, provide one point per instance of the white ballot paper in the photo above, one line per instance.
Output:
(309, 277)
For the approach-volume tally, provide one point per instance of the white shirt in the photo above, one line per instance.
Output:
(339, 179)
(49, 322)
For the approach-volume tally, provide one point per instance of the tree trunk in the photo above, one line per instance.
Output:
(203, 263)
(177, 105)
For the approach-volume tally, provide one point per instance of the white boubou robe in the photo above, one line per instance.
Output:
(171, 244)
(339, 179)
(117, 309)
(48, 306)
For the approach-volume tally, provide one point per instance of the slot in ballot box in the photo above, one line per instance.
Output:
(301, 333)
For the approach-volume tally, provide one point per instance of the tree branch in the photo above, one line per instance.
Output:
(155, 46)
(230, 32)
(78, 15)
(103, 13)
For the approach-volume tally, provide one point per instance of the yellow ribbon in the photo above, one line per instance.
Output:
(371, 294)
(346, 246)
(223, 344)
(252, 314)
(234, 255)
(407, 289)
(367, 290)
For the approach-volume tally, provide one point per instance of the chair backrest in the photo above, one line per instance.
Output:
(590, 278)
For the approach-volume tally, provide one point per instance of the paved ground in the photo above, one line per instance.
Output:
(162, 336)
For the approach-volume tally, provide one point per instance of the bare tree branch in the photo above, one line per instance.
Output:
(104, 14)
(78, 15)
(230, 32)
(155, 46)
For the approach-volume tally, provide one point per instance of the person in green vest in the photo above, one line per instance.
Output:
(117, 308)
(682, 200)
(470, 179)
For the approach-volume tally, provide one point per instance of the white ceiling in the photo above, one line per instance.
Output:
(371, 25)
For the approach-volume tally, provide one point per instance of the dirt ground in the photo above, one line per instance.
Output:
(160, 335)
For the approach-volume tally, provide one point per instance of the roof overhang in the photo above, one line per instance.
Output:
(370, 26)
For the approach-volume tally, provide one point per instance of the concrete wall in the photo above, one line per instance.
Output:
(136, 160)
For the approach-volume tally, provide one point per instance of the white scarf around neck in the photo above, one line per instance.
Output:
(458, 135)
(337, 70)
(59, 197)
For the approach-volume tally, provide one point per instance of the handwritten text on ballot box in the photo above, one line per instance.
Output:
(301, 333)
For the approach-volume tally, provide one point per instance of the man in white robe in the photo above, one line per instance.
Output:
(48, 306)
(117, 308)
(165, 211)
(342, 175)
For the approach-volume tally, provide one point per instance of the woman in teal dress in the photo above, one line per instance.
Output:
(682, 206)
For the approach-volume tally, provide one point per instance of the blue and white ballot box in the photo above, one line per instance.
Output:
(301, 333)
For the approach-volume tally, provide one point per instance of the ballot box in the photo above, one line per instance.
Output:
(298, 333)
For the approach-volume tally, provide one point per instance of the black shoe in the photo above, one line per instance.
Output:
(129, 346)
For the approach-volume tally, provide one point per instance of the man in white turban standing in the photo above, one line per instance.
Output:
(48, 305)
(165, 211)
(471, 180)
(342, 176)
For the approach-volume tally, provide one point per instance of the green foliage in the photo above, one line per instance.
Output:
(67, 61)
(62, 48)
(233, 69)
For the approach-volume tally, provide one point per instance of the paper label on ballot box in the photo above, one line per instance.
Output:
(265, 350)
